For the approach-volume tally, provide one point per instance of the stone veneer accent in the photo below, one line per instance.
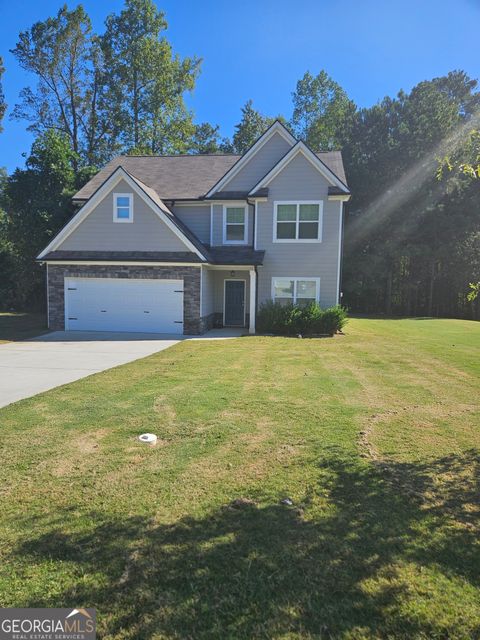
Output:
(207, 323)
(192, 323)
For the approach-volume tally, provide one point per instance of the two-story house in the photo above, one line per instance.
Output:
(179, 244)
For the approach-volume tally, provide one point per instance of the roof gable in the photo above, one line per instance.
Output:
(277, 129)
(149, 197)
(302, 148)
(257, 166)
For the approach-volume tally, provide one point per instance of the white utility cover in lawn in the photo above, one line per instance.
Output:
(128, 305)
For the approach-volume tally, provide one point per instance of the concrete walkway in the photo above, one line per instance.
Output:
(54, 359)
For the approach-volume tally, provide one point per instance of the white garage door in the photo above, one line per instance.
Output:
(110, 304)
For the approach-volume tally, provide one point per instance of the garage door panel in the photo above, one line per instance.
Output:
(108, 304)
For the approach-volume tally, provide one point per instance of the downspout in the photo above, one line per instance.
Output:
(255, 268)
(340, 271)
(48, 296)
(254, 204)
(256, 296)
(254, 225)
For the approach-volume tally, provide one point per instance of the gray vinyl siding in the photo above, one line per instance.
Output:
(217, 224)
(299, 181)
(217, 235)
(196, 218)
(98, 232)
(259, 165)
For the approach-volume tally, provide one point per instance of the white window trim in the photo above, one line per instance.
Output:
(297, 203)
(295, 280)
(130, 206)
(233, 205)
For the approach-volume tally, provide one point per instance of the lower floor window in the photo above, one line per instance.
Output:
(301, 291)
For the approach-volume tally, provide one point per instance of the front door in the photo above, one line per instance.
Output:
(234, 310)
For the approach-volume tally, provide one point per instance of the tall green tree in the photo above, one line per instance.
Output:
(322, 112)
(37, 203)
(206, 139)
(3, 105)
(465, 161)
(146, 82)
(249, 129)
(408, 233)
(7, 262)
(463, 166)
(63, 53)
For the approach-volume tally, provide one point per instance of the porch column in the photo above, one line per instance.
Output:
(253, 298)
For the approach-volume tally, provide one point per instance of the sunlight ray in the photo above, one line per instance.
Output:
(409, 185)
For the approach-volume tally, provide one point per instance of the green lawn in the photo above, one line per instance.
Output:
(374, 436)
(19, 326)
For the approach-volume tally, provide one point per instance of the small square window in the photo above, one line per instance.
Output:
(123, 201)
(123, 212)
(122, 207)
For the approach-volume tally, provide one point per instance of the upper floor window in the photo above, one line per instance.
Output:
(122, 207)
(235, 224)
(298, 221)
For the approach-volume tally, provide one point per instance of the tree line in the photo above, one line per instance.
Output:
(412, 229)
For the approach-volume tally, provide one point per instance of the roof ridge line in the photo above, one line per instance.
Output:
(179, 155)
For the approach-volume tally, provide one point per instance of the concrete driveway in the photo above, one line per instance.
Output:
(33, 366)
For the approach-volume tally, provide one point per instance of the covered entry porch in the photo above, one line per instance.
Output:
(228, 296)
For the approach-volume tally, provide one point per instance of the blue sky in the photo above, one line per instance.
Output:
(259, 49)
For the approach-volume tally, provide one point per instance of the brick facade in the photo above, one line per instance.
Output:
(192, 322)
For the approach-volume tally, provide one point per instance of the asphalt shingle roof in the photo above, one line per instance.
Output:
(124, 256)
(172, 177)
(184, 177)
(236, 255)
(334, 161)
(215, 255)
